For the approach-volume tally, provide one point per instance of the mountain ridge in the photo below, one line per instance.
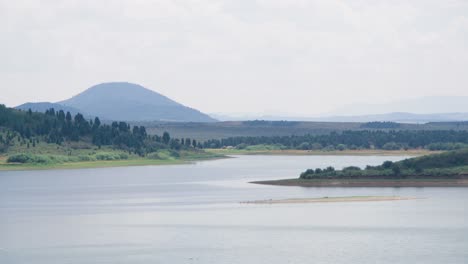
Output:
(418, 105)
(127, 102)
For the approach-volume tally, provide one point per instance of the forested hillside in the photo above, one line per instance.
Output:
(364, 139)
(57, 127)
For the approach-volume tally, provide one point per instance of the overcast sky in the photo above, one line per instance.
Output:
(266, 56)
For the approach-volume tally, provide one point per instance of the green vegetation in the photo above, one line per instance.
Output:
(96, 158)
(447, 164)
(381, 125)
(355, 140)
(261, 147)
(220, 130)
(56, 139)
(60, 127)
(276, 150)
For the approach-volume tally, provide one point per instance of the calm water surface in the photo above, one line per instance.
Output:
(191, 214)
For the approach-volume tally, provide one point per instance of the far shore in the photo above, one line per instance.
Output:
(297, 152)
(461, 181)
(216, 154)
(331, 200)
(4, 166)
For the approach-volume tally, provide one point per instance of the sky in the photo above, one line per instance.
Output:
(237, 56)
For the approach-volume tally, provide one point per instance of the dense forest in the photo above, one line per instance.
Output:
(365, 139)
(381, 125)
(58, 127)
(452, 163)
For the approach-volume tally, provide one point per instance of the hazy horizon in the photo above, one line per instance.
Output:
(291, 57)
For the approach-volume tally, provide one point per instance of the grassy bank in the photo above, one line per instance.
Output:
(86, 164)
(99, 159)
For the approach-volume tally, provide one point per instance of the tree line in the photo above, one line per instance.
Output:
(363, 139)
(437, 165)
(58, 127)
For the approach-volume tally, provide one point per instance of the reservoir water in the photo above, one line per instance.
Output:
(192, 214)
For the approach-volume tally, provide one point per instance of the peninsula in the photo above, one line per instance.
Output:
(448, 169)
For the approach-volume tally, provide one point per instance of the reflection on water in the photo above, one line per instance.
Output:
(192, 214)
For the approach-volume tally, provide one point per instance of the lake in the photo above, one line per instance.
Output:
(192, 214)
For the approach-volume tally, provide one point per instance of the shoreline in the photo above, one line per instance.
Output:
(295, 152)
(217, 154)
(423, 182)
(332, 200)
(100, 164)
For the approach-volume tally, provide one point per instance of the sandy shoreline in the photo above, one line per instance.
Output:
(332, 200)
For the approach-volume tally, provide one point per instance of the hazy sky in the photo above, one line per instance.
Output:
(288, 56)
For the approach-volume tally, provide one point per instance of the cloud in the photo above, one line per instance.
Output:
(296, 56)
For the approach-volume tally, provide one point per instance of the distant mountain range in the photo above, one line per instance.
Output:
(124, 101)
(421, 105)
(416, 110)
(400, 117)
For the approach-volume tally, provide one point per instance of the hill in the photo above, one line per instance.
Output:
(124, 101)
(127, 101)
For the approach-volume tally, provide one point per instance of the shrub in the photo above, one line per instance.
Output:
(304, 146)
(391, 146)
(20, 158)
(307, 174)
(174, 154)
(418, 169)
(153, 155)
(396, 170)
(30, 158)
(110, 156)
(329, 148)
(351, 168)
(387, 164)
(123, 156)
(86, 158)
(241, 146)
(341, 147)
(316, 146)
